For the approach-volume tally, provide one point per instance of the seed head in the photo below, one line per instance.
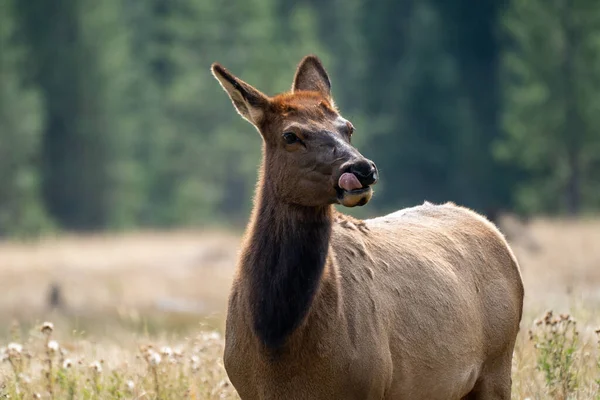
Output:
(47, 328)
(154, 358)
(37, 396)
(130, 385)
(166, 351)
(67, 363)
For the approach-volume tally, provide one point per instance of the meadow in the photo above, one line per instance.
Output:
(141, 315)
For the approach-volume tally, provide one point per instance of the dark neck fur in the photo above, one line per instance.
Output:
(283, 261)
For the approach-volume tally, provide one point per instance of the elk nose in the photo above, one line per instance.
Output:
(365, 171)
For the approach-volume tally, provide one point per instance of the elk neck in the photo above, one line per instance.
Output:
(282, 262)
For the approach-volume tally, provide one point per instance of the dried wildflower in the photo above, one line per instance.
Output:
(24, 378)
(68, 363)
(47, 328)
(53, 346)
(211, 336)
(14, 348)
(37, 396)
(130, 385)
(96, 367)
(564, 317)
(178, 352)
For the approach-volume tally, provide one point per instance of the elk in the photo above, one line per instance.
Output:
(423, 303)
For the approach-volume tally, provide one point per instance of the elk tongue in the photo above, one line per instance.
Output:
(349, 182)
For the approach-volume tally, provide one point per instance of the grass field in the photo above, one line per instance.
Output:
(140, 316)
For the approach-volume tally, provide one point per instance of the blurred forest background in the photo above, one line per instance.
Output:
(110, 119)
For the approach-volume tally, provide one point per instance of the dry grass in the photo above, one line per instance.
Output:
(134, 368)
(122, 294)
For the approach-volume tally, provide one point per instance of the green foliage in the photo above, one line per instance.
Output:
(556, 341)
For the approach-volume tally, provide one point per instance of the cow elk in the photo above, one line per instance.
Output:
(421, 304)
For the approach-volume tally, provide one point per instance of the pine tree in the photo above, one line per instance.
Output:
(21, 209)
(80, 62)
(551, 103)
(422, 128)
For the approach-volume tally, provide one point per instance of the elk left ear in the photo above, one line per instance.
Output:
(249, 102)
(311, 75)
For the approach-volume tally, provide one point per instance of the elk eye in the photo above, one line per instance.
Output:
(350, 128)
(290, 137)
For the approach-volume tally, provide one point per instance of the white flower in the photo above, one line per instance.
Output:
(68, 363)
(53, 346)
(155, 358)
(130, 385)
(195, 363)
(166, 351)
(211, 336)
(96, 367)
(15, 348)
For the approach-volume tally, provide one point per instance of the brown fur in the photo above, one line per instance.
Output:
(424, 303)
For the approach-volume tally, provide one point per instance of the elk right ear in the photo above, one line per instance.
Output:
(249, 102)
(311, 75)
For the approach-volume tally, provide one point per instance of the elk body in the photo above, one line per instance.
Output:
(424, 303)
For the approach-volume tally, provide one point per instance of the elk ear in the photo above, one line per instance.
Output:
(311, 75)
(249, 102)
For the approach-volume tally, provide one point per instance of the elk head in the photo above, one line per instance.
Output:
(308, 156)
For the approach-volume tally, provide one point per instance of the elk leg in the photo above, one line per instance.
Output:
(495, 381)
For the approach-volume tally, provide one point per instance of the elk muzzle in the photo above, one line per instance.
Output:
(354, 184)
